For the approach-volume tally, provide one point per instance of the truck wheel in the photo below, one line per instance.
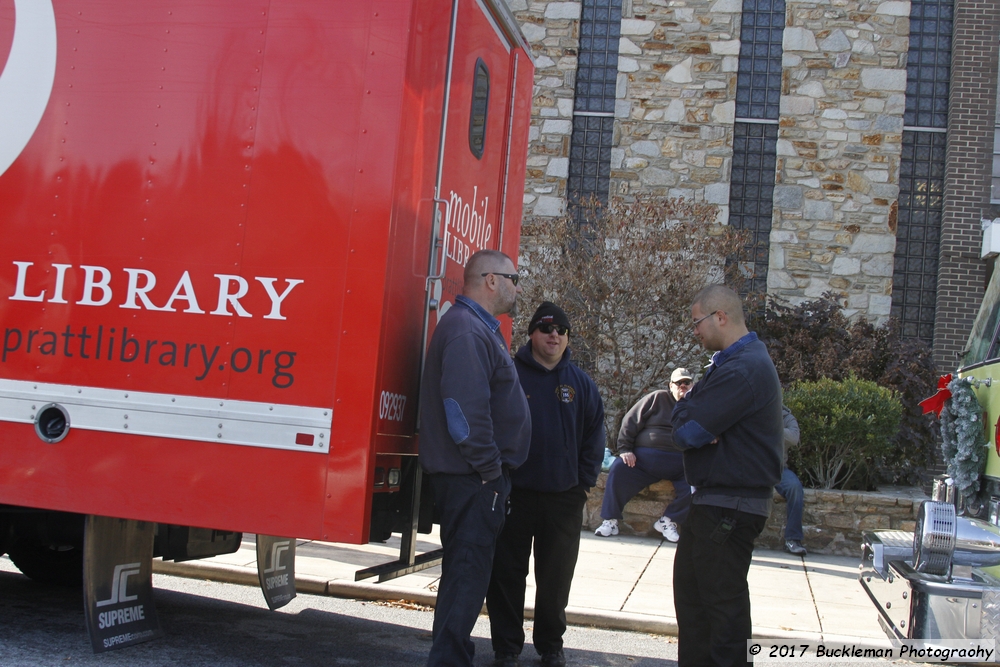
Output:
(60, 565)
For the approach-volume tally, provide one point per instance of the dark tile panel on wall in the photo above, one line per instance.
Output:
(758, 94)
(590, 157)
(928, 66)
(921, 201)
(597, 66)
(751, 197)
(758, 80)
(594, 105)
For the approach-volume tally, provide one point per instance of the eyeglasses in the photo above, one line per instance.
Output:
(513, 277)
(683, 383)
(549, 328)
(694, 325)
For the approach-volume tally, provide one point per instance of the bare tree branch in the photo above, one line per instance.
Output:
(626, 274)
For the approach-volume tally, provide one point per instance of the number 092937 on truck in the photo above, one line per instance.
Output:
(228, 230)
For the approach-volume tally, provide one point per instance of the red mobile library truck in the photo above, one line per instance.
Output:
(228, 230)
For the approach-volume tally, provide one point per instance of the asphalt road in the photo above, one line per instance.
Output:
(209, 624)
(223, 625)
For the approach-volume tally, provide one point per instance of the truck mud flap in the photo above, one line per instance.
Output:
(118, 582)
(276, 569)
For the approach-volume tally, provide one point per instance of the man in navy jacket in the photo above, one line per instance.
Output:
(474, 429)
(548, 492)
(730, 429)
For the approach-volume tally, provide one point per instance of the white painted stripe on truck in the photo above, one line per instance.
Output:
(218, 420)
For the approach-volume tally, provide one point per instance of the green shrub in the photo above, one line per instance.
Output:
(847, 429)
(814, 340)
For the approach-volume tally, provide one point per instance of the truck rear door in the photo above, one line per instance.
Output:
(480, 160)
(475, 155)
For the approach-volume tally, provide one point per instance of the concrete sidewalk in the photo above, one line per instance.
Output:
(621, 583)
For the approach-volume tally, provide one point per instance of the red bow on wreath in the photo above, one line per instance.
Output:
(936, 402)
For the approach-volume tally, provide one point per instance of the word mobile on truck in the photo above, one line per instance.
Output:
(228, 230)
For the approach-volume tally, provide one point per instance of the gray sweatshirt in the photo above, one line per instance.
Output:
(647, 424)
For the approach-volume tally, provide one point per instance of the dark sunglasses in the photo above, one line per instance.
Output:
(549, 328)
(683, 383)
(512, 276)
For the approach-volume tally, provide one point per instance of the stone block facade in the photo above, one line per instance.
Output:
(839, 142)
(839, 136)
(832, 521)
(552, 28)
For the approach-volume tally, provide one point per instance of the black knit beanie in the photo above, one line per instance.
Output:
(548, 313)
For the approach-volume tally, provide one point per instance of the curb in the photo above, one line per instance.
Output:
(340, 588)
(232, 574)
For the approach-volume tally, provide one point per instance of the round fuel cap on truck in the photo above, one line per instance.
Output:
(52, 422)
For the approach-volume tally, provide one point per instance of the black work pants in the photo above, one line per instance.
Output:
(711, 595)
(552, 521)
(471, 515)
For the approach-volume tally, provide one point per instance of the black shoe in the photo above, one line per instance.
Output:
(554, 659)
(506, 660)
(795, 547)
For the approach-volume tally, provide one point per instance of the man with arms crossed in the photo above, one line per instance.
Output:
(474, 429)
(730, 429)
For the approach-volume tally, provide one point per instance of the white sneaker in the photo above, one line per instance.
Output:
(608, 528)
(669, 531)
(660, 524)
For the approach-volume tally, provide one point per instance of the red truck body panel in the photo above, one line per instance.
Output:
(216, 245)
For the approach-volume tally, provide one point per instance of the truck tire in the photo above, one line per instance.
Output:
(60, 565)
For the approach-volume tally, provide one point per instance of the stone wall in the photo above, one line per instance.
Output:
(552, 28)
(832, 520)
(839, 141)
(677, 86)
(839, 144)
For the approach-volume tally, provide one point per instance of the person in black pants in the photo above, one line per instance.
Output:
(730, 428)
(548, 492)
(474, 429)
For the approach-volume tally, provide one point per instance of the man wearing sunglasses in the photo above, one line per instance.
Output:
(647, 454)
(730, 428)
(474, 429)
(548, 492)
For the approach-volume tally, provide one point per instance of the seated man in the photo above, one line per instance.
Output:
(647, 455)
(790, 488)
